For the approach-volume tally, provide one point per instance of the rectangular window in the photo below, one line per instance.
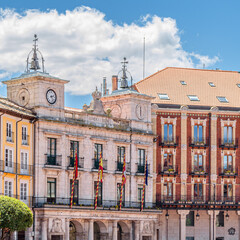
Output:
(228, 192)
(120, 157)
(168, 132)
(141, 160)
(9, 132)
(168, 161)
(222, 99)
(51, 190)
(198, 133)
(98, 150)
(183, 82)
(228, 163)
(8, 188)
(119, 194)
(75, 191)
(99, 198)
(24, 135)
(168, 190)
(24, 161)
(212, 84)
(190, 219)
(198, 163)
(23, 191)
(8, 158)
(139, 193)
(163, 96)
(220, 219)
(74, 147)
(193, 98)
(189, 238)
(228, 134)
(51, 151)
(198, 191)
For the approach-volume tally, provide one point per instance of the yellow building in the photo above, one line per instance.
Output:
(16, 151)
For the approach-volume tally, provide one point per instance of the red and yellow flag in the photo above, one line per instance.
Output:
(75, 176)
(124, 179)
(100, 178)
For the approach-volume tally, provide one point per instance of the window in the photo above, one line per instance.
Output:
(51, 151)
(238, 84)
(23, 191)
(8, 158)
(198, 163)
(9, 132)
(228, 134)
(168, 190)
(220, 219)
(222, 99)
(168, 161)
(193, 97)
(228, 192)
(99, 198)
(198, 191)
(198, 133)
(24, 135)
(119, 194)
(141, 157)
(163, 96)
(98, 150)
(189, 238)
(228, 163)
(75, 191)
(168, 132)
(8, 188)
(51, 190)
(120, 157)
(24, 161)
(74, 147)
(183, 82)
(212, 84)
(190, 219)
(139, 193)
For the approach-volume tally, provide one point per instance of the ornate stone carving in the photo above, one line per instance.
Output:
(147, 228)
(57, 225)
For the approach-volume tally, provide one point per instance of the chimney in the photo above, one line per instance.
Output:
(114, 83)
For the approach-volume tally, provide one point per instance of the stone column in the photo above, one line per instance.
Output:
(90, 230)
(182, 221)
(212, 224)
(114, 230)
(183, 154)
(15, 235)
(44, 229)
(238, 213)
(67, 229)
(137, 230)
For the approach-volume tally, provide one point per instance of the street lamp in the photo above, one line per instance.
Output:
(167, 215)
(227, 216)
(197, 216)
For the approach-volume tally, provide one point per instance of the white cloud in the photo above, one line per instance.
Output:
(82, 46)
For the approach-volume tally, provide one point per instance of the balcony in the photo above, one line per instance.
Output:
(168, 142)
(228, 172)
(96, 164)
(228, 143)
(113, 205)
(141, 168)
(25, 140)
(119, 166)
(7, 167)
(198, 143)
(53, 160)
(168, 170)
(25, 199)
(10, 137)
(199, 171)
(71, 161)
(25, 169)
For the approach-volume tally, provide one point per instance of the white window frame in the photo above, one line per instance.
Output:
(9, 167)
(6, 184)
(24, 135)
(24, 191)
(24, 162)
(163, 96)
(9, 135)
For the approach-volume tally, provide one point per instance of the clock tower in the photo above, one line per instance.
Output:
(37, 90)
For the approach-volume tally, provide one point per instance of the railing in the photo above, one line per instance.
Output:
(25, 199)
(229, 171)
(24, 169)
(96, 164)
(53, 160)
(80, 202)
(25, 141)
(21, 169)
(168, 142)
(71, 161)
(119, 166)
(168, 170)
(141, 168)
(10, 138)
(196, 142)
(8, 168)
(229, 144)
(196, 170)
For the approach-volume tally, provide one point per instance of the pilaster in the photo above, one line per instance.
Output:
(182, 221)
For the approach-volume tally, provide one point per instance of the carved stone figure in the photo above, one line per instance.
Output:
(57, 225)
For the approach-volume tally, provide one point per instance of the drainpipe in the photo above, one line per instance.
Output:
(17, 154)
(209, 153)
(130, 197)
(1, 136)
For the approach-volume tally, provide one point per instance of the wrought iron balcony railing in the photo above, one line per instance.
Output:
(141, 168)
(168, 170)
(119, 166)
(199, 170)
(25, 140)
(228, 143)
(71, 162)
(96, 163)
(53, 160)
(10, 137)
(7, 166)
(229, 171)
(166, 142)
(198, 142)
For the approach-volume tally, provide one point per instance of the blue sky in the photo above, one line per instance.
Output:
(206, 28)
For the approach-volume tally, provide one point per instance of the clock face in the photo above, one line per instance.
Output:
(51, 96)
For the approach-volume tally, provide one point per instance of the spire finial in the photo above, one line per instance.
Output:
(34, 64)
(124, 83)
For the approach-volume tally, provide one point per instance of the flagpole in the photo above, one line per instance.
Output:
(71, 202)
(75, 175)
(144, 185)
(123, 182)
(96, 197)
(100, 175)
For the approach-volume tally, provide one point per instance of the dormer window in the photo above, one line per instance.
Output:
(193, 97)
(163, 96)
(211, 84)
(183, 82)
(222, 99)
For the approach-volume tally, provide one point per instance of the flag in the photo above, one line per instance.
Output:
(146, 173)
(124, 179)
(100, 169)
(75, 176)
(145, 183)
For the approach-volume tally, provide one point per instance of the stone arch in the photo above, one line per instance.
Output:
(76, 230)
(124, 227)
(123, 231)
(102, 226)
(100, 231)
